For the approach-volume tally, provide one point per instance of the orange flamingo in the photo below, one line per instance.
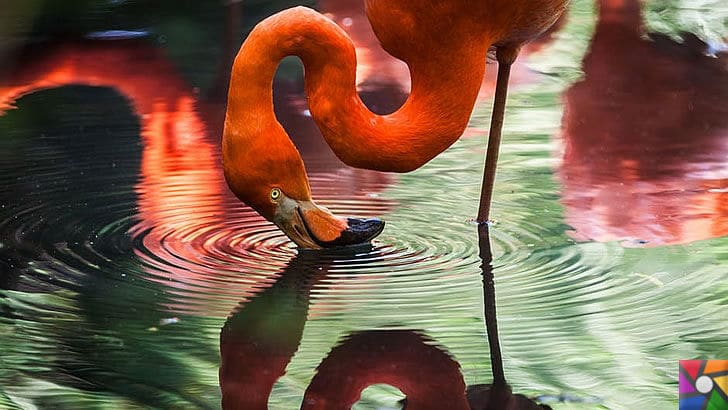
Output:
(445, 46)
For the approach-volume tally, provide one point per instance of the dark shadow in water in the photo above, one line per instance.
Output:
(646, 136)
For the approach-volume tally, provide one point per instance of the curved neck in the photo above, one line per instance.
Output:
(445, 84)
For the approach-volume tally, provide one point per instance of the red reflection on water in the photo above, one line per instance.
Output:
(646, 137)
(178, 163)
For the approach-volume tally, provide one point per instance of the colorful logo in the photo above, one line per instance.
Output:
(703, 384)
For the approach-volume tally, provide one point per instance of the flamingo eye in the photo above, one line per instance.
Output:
(275, 194)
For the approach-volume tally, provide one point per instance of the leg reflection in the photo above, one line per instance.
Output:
(497, 395)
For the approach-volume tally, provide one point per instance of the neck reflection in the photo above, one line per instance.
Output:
(261, 336)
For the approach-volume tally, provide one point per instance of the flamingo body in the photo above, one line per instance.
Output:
(443, 43)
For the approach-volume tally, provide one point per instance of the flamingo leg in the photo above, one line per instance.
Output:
(506, 56)
(489, 306)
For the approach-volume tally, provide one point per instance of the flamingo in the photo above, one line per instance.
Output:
(444, 45)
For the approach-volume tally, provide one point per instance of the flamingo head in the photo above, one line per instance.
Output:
(271, 178)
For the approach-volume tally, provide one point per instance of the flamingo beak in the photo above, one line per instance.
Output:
(313, 227)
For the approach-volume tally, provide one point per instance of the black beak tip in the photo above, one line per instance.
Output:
(365, 229)
(360, 231)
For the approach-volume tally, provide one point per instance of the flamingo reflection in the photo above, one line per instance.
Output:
(646, 136)
(405, 359)
(261, 336)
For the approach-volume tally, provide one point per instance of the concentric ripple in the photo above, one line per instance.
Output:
(203, 241)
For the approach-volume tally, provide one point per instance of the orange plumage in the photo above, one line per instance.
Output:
(443, 43)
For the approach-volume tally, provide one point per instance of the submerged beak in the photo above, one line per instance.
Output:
(314, 227)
